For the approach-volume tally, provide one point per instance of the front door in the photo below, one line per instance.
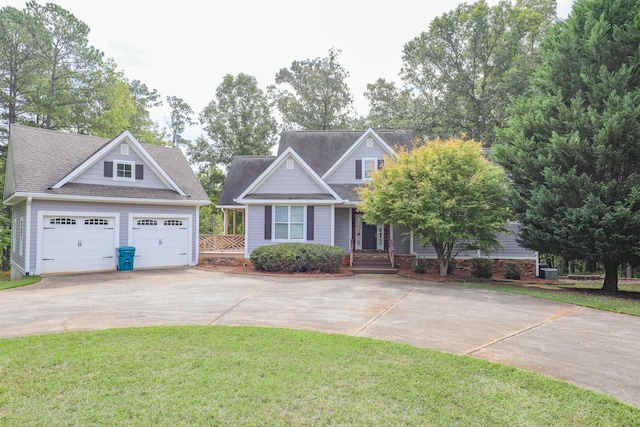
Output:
(369, 236)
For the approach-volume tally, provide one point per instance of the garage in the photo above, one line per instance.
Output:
(160, 241)
(78, 243)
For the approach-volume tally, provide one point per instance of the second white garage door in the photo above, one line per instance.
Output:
(160, 242)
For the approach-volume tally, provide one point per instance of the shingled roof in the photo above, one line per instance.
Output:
(41, 158)
(321, 149)
(243, 170)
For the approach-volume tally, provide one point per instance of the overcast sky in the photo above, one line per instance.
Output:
(184, 48)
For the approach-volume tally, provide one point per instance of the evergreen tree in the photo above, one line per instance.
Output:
(572, 148)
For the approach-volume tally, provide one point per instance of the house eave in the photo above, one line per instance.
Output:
(17, 197)
(288, 201)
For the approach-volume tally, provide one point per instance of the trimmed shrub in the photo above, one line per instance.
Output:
(419, 266)
(512, 271)
(482, 268)
(298, 257)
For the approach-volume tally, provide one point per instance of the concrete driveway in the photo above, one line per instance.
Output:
(594, 349)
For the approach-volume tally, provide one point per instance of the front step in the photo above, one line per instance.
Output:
(372, 263)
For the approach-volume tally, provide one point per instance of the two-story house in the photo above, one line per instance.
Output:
(306, 193)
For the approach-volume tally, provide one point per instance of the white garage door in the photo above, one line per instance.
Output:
(160, 242)
(75, 243)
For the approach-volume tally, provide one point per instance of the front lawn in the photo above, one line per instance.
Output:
(6, 282)
(584, 294)
(260, 376)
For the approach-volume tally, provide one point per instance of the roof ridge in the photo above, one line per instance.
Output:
(57, 131)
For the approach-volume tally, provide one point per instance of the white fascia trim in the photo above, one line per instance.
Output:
(40, 225)
(72, 198)
(133, 143)
(359, 141)
(276, 164)
(231, 207)
(287, 202)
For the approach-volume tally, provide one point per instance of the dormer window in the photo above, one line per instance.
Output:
(123, 170)
(369, 167)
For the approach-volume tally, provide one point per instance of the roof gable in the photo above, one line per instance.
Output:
(279, 167)
(42, 158)
(368, 135)
(322, 149)
(113, 145)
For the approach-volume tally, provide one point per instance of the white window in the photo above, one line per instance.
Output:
(369, 166)
(173, 222)
(123, 170)
(289, 222)
(147, 222)
(96, 221)
(124, 149)
(62, 221)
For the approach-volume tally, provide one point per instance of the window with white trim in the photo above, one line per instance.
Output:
(14, 240)
(173, 222)
(96, 221)
(289, 222)
(62, 221)
(369, 166)
(147, 222)
(123, 170)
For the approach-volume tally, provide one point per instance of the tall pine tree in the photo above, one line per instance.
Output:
(572, 148)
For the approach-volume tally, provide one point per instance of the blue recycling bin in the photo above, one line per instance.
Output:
(125, 257)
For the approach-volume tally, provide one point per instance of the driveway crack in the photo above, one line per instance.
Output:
(521, 331)
(386, 310)
(233, 307)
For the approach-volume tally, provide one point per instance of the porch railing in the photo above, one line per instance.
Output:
(221, 243)
(392, 254)
(351, 249)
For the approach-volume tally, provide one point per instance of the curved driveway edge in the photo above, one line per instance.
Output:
(591, 348)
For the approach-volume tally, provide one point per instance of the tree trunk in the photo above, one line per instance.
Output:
(444, 266)
(610, 285)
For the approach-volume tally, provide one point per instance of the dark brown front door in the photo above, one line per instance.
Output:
(369, 238)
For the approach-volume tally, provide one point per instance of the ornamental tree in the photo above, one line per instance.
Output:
(572, 148)
(446, 192)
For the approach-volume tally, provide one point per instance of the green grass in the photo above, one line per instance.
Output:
(259, 376)
(577, 293)
(6, 282)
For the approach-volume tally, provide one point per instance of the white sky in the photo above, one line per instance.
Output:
(184, 48)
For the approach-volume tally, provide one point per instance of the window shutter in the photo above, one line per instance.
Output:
(267, 222)
(380, 164)
(139, 171)
(358, 169)
(309, 222)
(108, 169)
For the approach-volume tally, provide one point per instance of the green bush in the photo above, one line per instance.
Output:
(482, 268)
(298, 257)
(512, 271)
(419, 266)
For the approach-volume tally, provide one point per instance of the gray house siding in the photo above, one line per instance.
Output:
(95, 174)
(401, 240)
(342, 236)
(346, 172)
(510, 248)
(255, 235)
(289, 181)
(123, 210)
(18, 253)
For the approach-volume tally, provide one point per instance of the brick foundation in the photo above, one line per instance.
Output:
(528, 266)
(221, 259)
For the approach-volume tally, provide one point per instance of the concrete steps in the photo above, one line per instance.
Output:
(372, 263)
